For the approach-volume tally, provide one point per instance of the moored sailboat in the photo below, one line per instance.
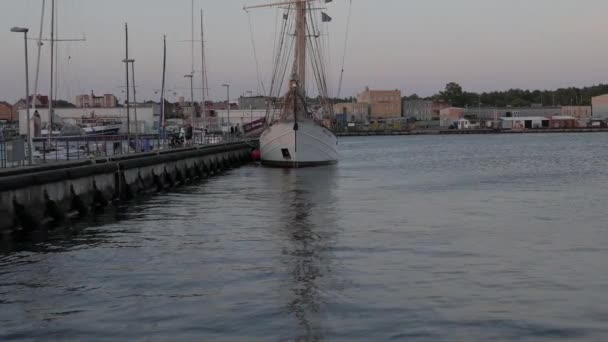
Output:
(295, 135)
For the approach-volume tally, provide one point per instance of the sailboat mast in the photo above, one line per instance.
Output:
(301, 43)
(161, 124)
(50, 127)
(192, 39)
(203, 73)
(39, 44)
(128, 102)
(56, 91)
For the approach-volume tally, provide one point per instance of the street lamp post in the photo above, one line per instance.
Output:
(27, 95)
(227, 99)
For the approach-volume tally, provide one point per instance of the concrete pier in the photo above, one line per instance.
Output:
(33, 197)
(469, 131)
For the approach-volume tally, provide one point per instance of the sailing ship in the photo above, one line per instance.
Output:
(295, 134)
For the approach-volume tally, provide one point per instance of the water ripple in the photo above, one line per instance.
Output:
(471, 238)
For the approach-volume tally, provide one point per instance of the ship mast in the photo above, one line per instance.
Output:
(50, 122)
(301, 44)
(300, 55)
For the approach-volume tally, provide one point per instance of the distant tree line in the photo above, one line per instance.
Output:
(343, 99)
(455, 95)
(63, 104)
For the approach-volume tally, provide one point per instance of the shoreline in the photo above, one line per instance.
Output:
(470, 131)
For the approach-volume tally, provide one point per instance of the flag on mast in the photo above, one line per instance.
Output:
(325, 18)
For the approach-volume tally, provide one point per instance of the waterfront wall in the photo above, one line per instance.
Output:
(469, 131)
(37, 196)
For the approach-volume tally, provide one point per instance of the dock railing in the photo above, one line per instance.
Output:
(14, 153)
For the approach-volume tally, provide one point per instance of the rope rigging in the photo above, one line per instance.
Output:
(255, 56)
(282, 56)
(350, 9)
(39, 43)
(318, 62)
(317, 43)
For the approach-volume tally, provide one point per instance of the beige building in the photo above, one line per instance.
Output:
(383, 104)
(579, 112)
(600, 107)
(92, 101)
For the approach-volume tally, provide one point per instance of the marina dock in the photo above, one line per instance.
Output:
(36, 196)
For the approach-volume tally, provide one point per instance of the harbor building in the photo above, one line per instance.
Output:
(92, 101)
(564, 121)
(579, 112)
(384, 104)
(421, 110)
(438, 107)
(449, 116)
(38, 100)
(538, 122)
(253, 102)
(6, 112)
(352, 112)
(221, 120)
(189, 112)
(492, 114)
(462, 124)
(520, 123)
(599, 106)
(222, 105)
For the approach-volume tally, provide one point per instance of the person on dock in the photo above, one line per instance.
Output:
(37, 124)
(189, 134)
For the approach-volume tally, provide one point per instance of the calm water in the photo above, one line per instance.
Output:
(409, 238)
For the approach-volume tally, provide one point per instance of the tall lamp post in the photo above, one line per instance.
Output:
(27, 94)
(227, 99)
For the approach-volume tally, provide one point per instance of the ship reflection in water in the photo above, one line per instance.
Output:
(308, 223)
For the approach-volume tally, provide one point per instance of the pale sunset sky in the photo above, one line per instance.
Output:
(413, 45)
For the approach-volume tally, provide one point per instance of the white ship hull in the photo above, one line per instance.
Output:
(309, 145)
